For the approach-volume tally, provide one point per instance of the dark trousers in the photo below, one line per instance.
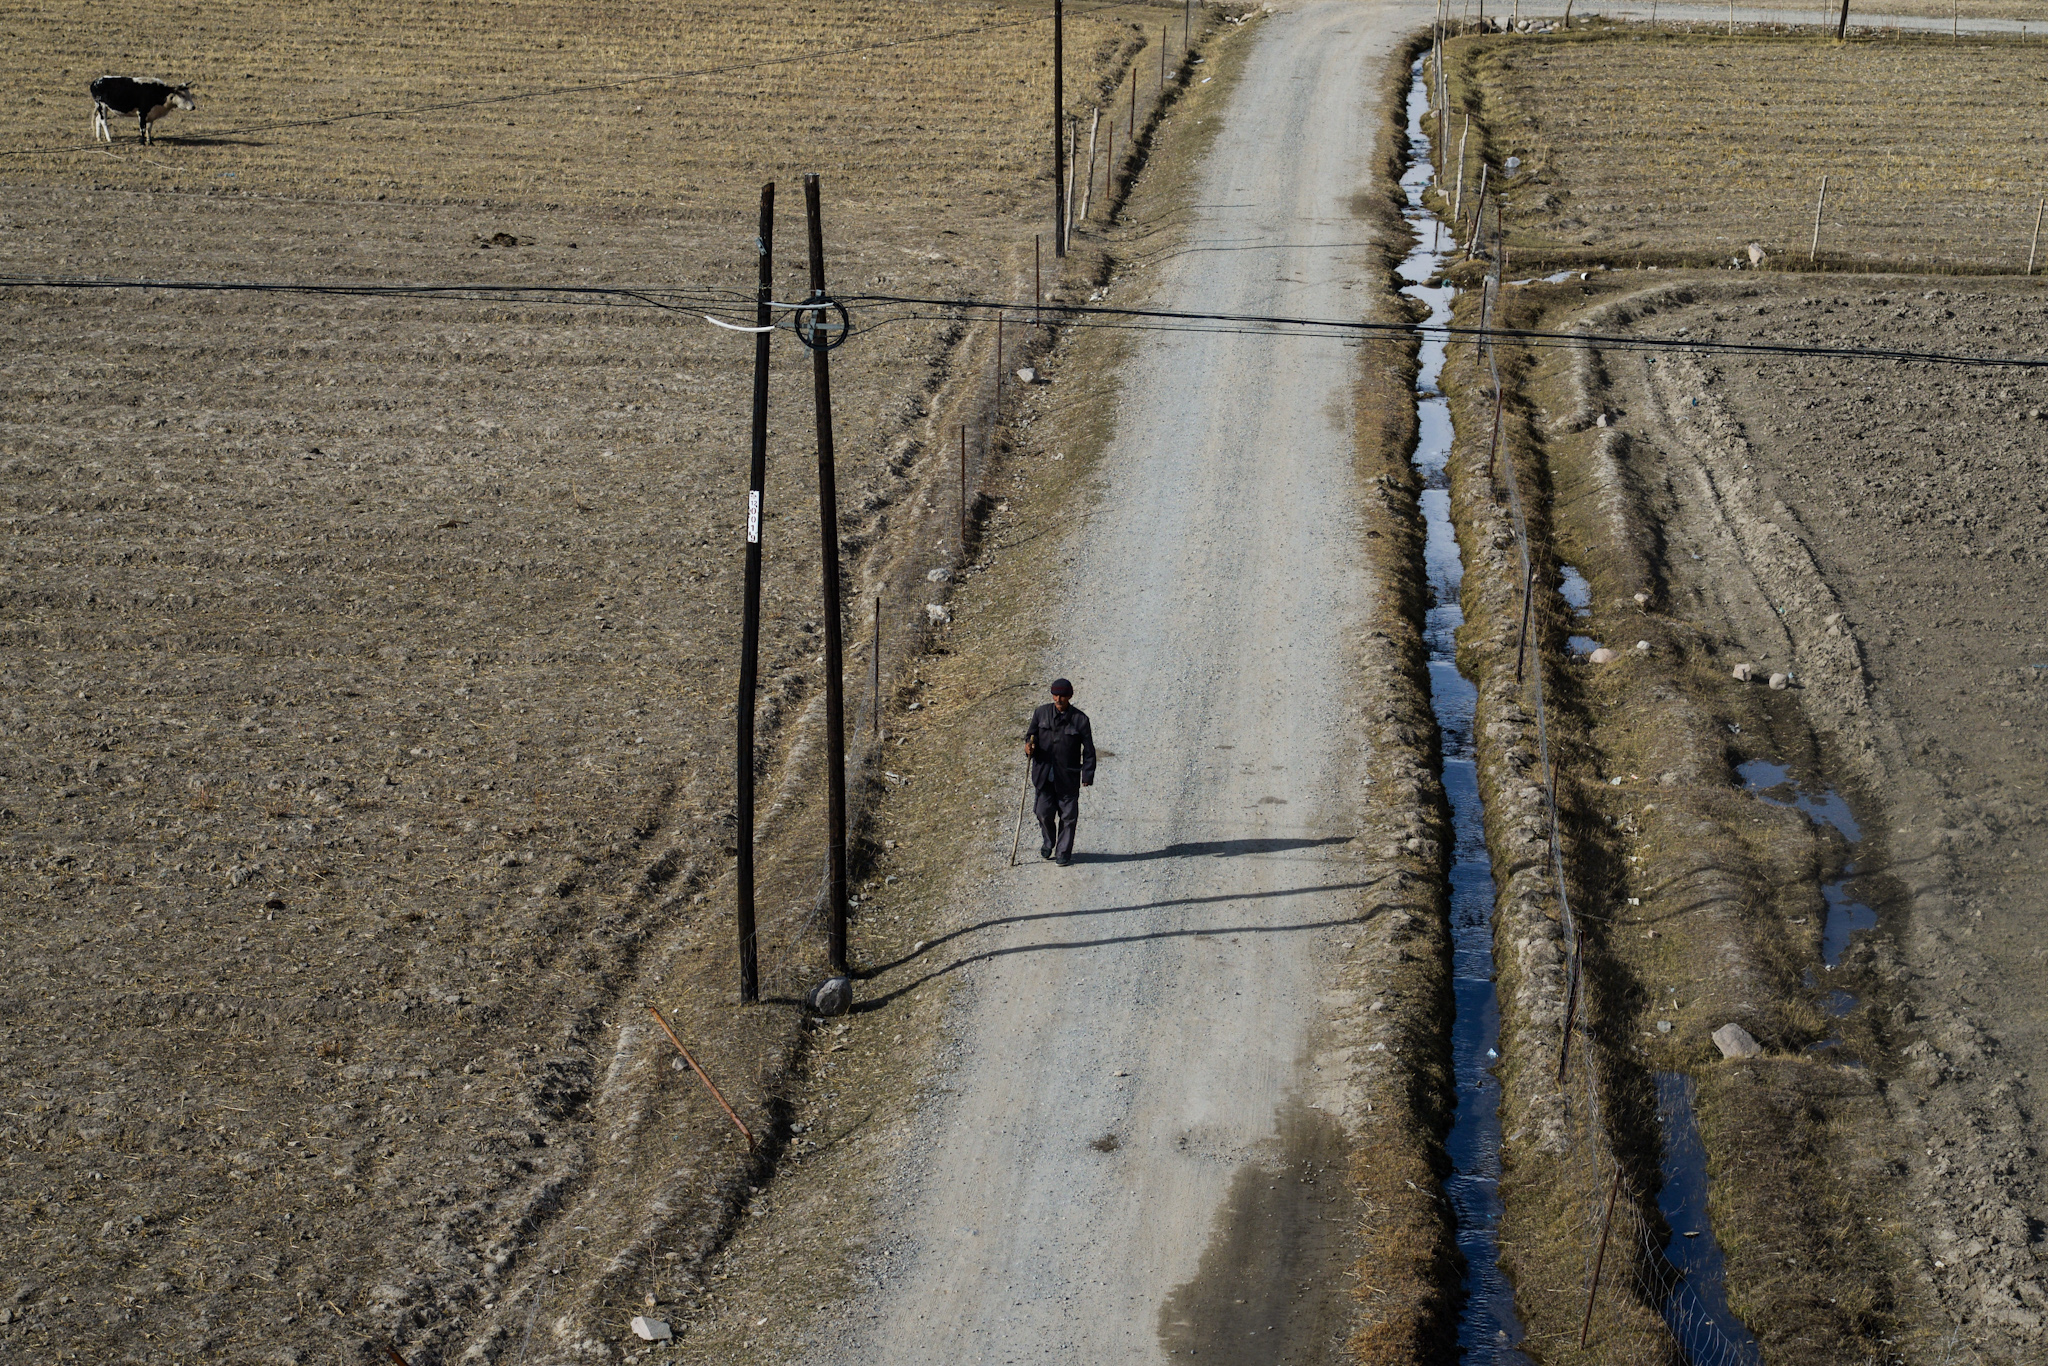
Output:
(1057, 812)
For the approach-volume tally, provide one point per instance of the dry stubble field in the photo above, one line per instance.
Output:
(368, 662)
(1872, 528)
(1642, 147)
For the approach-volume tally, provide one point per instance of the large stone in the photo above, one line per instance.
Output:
(1603, 655)
(831, 996)
(1735, 1042)
(651, 1330)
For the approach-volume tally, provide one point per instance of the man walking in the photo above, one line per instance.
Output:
(1062, 751)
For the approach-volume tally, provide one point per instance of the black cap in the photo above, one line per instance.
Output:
(1062, 688)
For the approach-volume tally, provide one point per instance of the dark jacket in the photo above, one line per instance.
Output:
(1063, 760)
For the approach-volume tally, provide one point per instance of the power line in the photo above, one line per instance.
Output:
(738, 307)
(1062, 313)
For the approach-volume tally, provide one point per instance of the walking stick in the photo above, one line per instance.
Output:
(1023, 800)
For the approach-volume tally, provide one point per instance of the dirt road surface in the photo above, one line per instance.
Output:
(1128, 1163)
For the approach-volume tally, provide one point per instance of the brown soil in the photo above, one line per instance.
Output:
(368, 666)
(1667, 148)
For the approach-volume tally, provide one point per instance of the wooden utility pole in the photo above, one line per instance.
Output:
(750, 613)
(1059, 119)
(1842, 24)
(828, 542)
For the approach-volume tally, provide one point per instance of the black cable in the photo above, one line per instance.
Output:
(738, 306)
(1062, 312)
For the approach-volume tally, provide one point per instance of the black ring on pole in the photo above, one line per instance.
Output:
(815, 327)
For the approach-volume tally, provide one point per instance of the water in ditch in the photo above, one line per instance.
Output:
(1695, 1299)
(1488, 1330)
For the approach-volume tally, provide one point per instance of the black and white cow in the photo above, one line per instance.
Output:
(148, 100)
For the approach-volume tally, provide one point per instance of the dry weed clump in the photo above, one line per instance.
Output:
(1672, 149)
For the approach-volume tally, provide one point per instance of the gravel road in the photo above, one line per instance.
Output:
(1129, 1164)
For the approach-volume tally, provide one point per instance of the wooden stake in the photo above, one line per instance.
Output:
(750, 618)
(705, 1077)
(828, 572)
(875, 676)
(1132, 131)
(1458, 204)
(1073, 148)
(963, 491)
(1162, 60)
(1521, 639)
(1813, 251)
(1606, 1220)
(2036, 247)
(1088, 194)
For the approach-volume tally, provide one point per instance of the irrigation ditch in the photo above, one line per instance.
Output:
(1583, 1160)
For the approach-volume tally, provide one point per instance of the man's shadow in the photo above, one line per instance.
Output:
(1212, 849)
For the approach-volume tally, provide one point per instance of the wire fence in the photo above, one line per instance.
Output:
(1625, 1236)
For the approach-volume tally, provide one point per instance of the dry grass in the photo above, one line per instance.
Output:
(1685, 148)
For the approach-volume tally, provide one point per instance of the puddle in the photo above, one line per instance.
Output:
(1846, 917)
(1283, 1226)
(1576, 592)
(1693, 1278)
(1488, 1330)
(1830, 808)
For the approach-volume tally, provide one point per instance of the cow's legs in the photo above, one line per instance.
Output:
(143, 119)
(100, 131)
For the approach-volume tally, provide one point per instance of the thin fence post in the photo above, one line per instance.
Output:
(1132, 131)
(1088, 194)
(1458, 204)
(1528, 598)
(875, 676)
(1037, 279)
(963, 491)
(2036, 247)
(1813, 251)
(1606, 1222)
